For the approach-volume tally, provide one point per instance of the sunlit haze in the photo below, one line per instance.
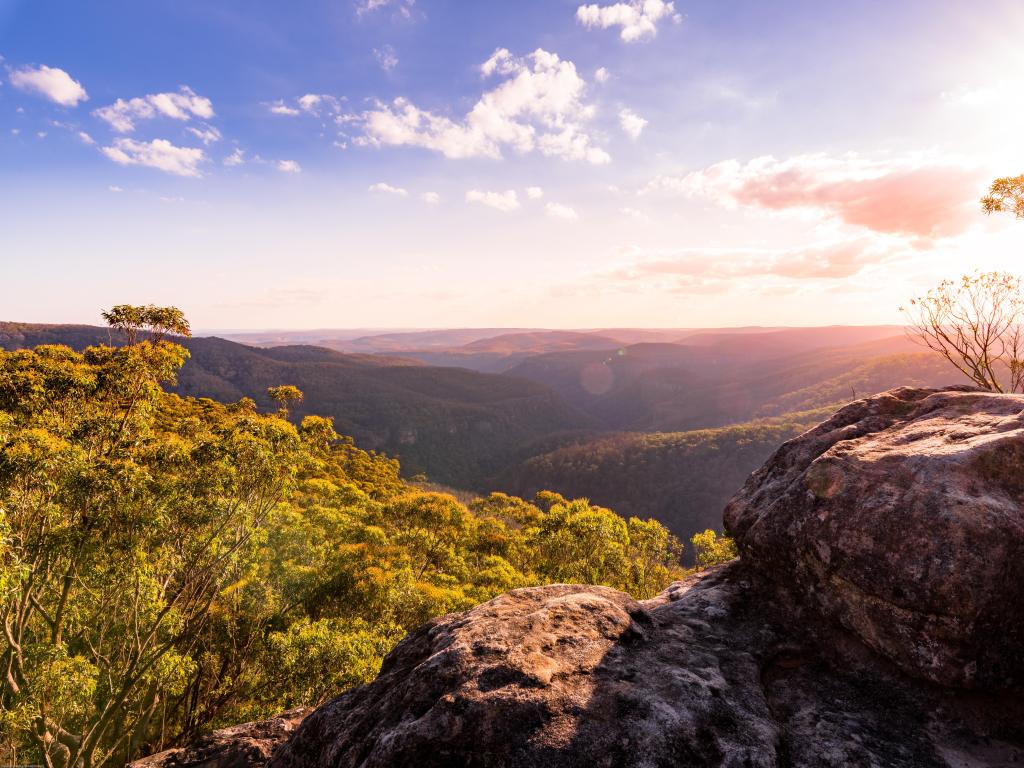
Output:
(538, 163)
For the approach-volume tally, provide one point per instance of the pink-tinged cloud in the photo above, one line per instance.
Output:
(924, 199)
(711, 269)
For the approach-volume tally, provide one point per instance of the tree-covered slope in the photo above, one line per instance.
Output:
(455, 425)
(683, 479)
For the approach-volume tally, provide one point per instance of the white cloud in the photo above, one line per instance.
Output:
(388, 189)
(637, 18)
(207, 134)
(280, 108)
(113, 188)
(386, 57)
(402, 7)
(602, 75)
(50, 82)
(632, 124)
(635, 214)
(310, 101)
(86, 138)
(558, 211)
(235, 158)
(430, 197)
(500, 201)
(183, 105)
(534, 193)
(310, 104)
(288, 166)
(538, 107)
(159, 154)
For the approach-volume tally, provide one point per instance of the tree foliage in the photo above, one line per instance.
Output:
(169, 564)
(1006, 195)
(712, 549)
(977, 324)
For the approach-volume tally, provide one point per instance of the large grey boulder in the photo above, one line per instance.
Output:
(902, 518)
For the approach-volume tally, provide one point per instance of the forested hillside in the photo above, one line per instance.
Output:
(682, 479)
(171, 564)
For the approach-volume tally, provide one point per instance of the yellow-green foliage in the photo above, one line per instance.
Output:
(168, 565)
(711, 549)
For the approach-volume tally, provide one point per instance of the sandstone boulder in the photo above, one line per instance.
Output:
(902, 518)
(705, 675)
(241, 746)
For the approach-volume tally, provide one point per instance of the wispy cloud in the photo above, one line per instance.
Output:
(206, 134)
(714, 269)
(402, 7)
(288, 166)
(386, 57)
(559, 211)
(316, 104)
(388, 189)
(280, 108)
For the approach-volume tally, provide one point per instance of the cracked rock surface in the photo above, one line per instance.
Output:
(902, 518)
(710, 673)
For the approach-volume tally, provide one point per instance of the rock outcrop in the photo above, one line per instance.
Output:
(873, 620)
(708, 674)
(902, 518)
(242, 746)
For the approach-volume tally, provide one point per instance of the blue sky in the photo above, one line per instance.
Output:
(390, 163)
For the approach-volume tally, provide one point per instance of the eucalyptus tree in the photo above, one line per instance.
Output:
(124, 509)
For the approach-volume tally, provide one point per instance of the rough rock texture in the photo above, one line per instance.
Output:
(705, 675)
(241, 746)
(902, 517)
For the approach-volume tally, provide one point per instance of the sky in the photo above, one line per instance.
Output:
(500, 163)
